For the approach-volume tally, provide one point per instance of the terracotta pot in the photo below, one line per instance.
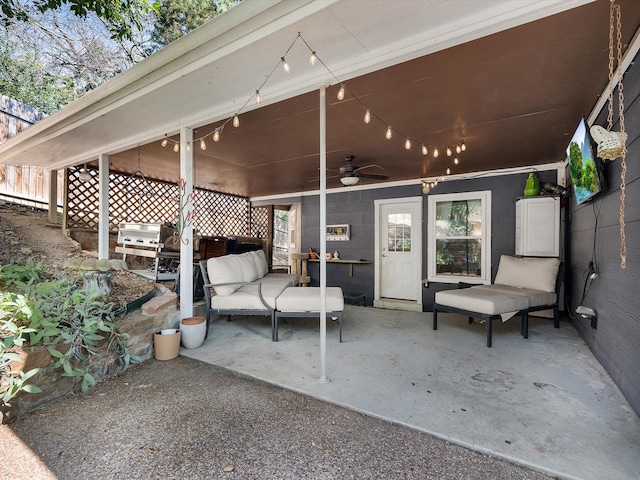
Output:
(313, 255)
(166, 347)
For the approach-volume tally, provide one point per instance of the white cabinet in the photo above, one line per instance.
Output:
(538, 226)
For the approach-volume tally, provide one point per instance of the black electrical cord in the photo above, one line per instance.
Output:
(592, 270)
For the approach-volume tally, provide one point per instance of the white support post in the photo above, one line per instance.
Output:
(53, 196)
(103, 206)
(323, 234)
(186, 244)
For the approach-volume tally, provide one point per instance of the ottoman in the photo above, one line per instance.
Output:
(305, 302)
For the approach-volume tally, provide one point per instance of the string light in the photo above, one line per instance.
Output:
(313, 59)
(188, 147)
(285, 65)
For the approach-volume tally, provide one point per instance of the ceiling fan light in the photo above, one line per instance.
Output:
(349, 181)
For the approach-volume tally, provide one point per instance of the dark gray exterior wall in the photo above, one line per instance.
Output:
(614, 293)
(357, 209)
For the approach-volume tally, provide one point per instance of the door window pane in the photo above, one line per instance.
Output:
(399, 232)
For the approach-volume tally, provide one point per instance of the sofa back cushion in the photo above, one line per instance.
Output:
(261, 263)
(248, 267)
(528, 272)
(226, 269)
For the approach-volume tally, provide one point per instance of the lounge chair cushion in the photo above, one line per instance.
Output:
(226, 269)
(528, 272)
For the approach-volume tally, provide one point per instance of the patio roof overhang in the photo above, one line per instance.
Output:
(511, 78)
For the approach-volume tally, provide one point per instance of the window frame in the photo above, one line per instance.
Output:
(485, 199)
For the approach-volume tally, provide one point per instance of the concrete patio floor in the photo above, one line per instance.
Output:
(545, 403)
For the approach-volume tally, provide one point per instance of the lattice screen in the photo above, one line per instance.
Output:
(134, 198)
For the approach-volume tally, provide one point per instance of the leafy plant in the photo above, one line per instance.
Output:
(45, 308)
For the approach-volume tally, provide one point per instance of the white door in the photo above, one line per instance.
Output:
(398, 249)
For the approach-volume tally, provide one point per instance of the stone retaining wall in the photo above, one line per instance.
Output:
(158, 313)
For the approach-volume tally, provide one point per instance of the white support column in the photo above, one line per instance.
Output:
(323, 234)
(186, 245)
(53, 196)
(103, 206)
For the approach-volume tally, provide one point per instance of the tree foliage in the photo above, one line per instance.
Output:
(25, 80)
(176, 18)
(123, 16)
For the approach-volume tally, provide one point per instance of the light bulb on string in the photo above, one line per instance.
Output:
(456, 161)
(216, 135)
(448, 171)
(448, 152)
(165, 141)
(389, 133)
(188, 147)
(313, 58)
(424, 149)
(341, 93)
(458, 149)
(435, 184)
(463, 147)
(367, 116)
(203, 144)
(442, 179)
(236, 121)
(176, 147)
(435, 152)
(407, 144)
(257, 97)
(285, 65)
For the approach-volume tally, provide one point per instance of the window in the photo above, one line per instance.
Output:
(459, 238)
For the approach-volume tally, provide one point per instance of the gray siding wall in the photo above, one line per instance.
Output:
(357, 209)
(614, 293)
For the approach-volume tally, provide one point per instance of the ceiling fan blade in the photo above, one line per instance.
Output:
(317, 179)
(374, 176)
(373, 165)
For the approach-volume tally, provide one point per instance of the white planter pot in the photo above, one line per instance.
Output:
(193, 331)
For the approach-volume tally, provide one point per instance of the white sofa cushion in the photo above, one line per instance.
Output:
(226, 269)
(248, 267)
(482, 301)
(261, 263)
(528, 272)
(307, 299)
(537, 298)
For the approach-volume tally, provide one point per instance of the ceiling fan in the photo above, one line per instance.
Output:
(351, 174)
